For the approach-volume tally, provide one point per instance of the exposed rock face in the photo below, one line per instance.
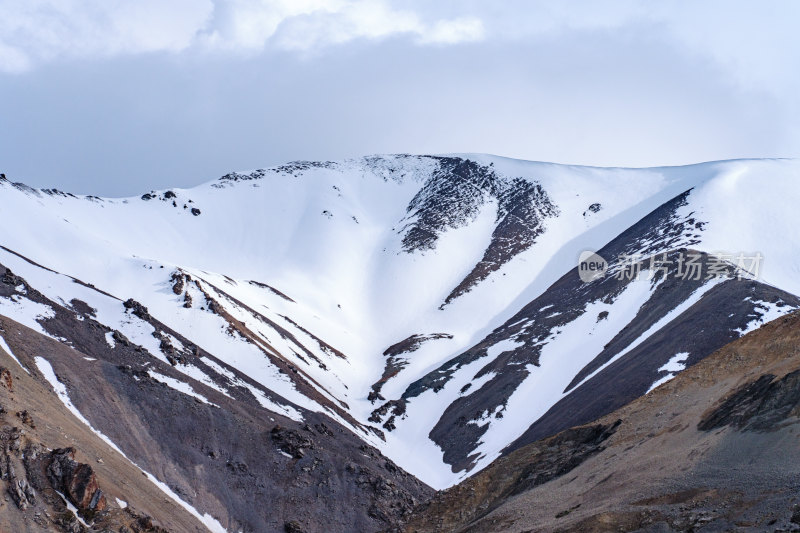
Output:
(26, 418)
(563, 453)
(523, 208)
(13, 468)
(762, 405)
(291, 442)
(137, 309)
(5, 378)
(76, 481)
(177, 283)
(9, 278)
(454, 195)
(397, 358)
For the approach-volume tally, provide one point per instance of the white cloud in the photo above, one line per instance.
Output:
(249, 24)
(353, 20)
(604, 83)
(38, 31)
(253, 25)
(756, 42)
(465, 29)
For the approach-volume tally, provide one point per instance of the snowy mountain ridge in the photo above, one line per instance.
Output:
(429, 303)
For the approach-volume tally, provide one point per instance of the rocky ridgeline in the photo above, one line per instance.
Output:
(454, 195)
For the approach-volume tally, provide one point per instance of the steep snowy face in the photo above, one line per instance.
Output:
(429, 303)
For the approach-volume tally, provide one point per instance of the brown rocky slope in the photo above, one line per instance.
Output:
(50, 462)
(274, 473)
(714, 449)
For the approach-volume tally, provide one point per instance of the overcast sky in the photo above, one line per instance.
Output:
(115, 97)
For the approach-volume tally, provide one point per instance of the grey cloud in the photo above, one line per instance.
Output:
(627, 89)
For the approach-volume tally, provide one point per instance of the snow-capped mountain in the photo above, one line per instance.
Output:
(431, 305)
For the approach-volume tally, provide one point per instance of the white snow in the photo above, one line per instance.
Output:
(560, 360)
(197, 374)
(354, 287)
(110, 339)
(506, 345)
(206, 519)
(46, 369)
(676, 364)
(122, 503)
(179, 386)
(4, 346)
(26, 312)
(749, 205)
(260, 396)
(73, 509)
(767, 312)
(666, 319)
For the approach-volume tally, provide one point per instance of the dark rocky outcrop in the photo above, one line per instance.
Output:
(563, 453)
(523, 208)
(136, 308)
(761, 405)
(291, 441)
(396, 360)
(5, 378)
(454, 195)
(26, 418)
(178, 282)
(76, 481)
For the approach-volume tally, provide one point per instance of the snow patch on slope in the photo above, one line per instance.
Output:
(666, 319)
(572, 348)
(262, 398)
(677, 363)
(4, 345)
(179, 386)
(766, 312)
(26, 312)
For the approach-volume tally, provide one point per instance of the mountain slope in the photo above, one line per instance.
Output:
(36, 427)
(715, 449)
(221, 443)
(429, 305)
